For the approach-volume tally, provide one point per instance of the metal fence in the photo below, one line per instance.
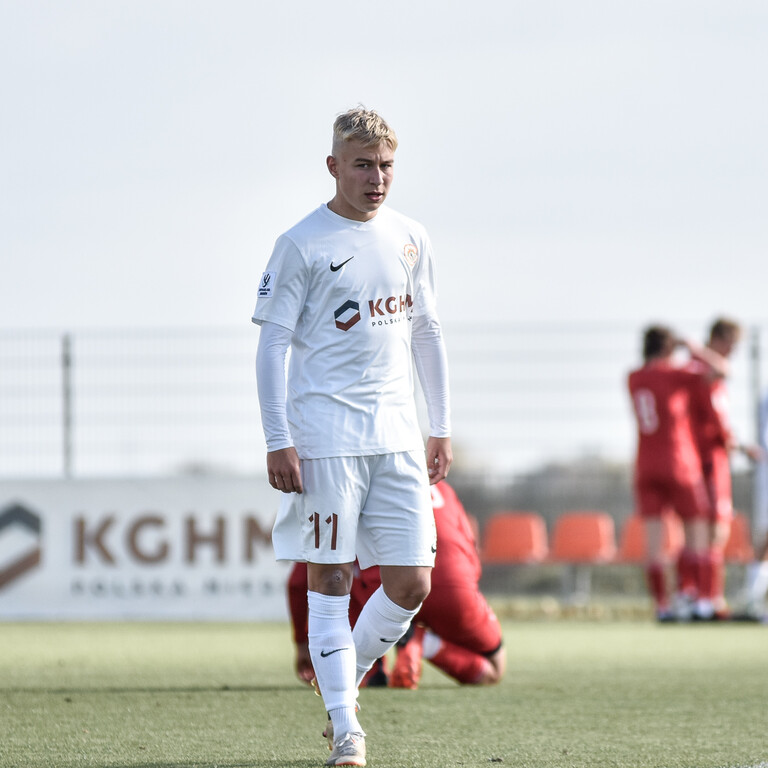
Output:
(159, 402)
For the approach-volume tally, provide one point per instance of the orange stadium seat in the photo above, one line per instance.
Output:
(632, 544)
(514, 537)
(581, 540)
(584, 537)
(739, 547)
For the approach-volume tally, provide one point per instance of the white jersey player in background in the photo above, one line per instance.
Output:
(756, 581)
(350, 290)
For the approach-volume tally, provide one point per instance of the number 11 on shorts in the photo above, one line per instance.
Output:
(332, 520)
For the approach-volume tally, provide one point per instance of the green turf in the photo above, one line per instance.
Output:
(624, 695)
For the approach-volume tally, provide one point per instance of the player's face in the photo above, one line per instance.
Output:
(363, 177)
(725, 345)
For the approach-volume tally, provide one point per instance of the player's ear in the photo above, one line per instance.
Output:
(333, 167)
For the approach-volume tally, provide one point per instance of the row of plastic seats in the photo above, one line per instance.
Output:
(589, 537)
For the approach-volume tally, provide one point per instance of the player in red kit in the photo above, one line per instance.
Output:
(455, 630)
(668, 473)
(715, 441)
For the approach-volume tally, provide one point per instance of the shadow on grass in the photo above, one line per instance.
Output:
(145, 689)
(256, 764)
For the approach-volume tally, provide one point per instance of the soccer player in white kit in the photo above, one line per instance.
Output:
(350, 290)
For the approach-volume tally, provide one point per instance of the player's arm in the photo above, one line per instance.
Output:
(283, 466)
(298, 608)
(432, 368)
(717, 364)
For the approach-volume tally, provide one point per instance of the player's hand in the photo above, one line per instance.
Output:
(284, 470)
(753, 452)
(304, 669)
(439, 458)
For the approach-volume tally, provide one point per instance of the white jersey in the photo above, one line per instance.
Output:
(348, 291)
(761, 473)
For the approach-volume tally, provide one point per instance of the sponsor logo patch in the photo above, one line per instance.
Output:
(267, 284)
(347, 315)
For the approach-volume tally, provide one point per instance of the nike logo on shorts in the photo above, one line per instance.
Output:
(324, 654)
(337, 267)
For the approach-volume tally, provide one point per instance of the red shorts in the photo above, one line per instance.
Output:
(461, 615)
(717, 474)
(656, 497)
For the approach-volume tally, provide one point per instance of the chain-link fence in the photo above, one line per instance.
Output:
(153, 402)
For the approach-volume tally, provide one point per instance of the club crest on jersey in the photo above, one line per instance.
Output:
(411, 254)
(266, 285)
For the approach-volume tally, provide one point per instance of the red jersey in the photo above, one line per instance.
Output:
(663, 397)
(711, 424)
(456, 561)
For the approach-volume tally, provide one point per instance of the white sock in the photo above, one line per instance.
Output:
(333, 657)
(381, 624)
(757, 580)
(431, 645)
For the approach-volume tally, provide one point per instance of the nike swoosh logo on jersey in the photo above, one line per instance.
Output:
(335, 650)
(337, 267)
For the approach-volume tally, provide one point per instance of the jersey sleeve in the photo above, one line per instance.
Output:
(283, 286)
(271, 353)
(425, 293)
(432, 368)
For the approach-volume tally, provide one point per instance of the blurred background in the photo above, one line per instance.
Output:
(583, 170)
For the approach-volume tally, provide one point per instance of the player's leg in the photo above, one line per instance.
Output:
(651, 502)
(464, 636)
(384, 620)
(463, 665)
(655, 567)
(364, 584)
(691, 501)
(330, 642)
(756, 582)
(397, 531)
(718, 479)
(406, 672)
(330, 506)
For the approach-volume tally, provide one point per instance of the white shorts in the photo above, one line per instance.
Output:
(375, 508)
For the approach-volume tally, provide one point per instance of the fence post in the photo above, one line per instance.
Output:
(66, 403)
(755, 380)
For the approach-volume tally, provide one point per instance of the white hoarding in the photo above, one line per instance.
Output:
(184, 548)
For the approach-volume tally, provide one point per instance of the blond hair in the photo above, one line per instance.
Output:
(363, 125)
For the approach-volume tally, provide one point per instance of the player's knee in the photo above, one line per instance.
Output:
(407, 587)
(329, 579)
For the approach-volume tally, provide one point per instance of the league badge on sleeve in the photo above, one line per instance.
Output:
(267, 284)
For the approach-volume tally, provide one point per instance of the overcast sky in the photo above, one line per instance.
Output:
(572, 161)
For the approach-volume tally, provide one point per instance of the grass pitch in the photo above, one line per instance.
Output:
(618, 695)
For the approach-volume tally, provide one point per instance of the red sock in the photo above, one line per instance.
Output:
(688, 572)
(714, 581)
(654, 575)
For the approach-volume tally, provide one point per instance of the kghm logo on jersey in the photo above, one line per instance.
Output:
(411, 254)
(347, 315)
(382, 311)
(391, 310)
